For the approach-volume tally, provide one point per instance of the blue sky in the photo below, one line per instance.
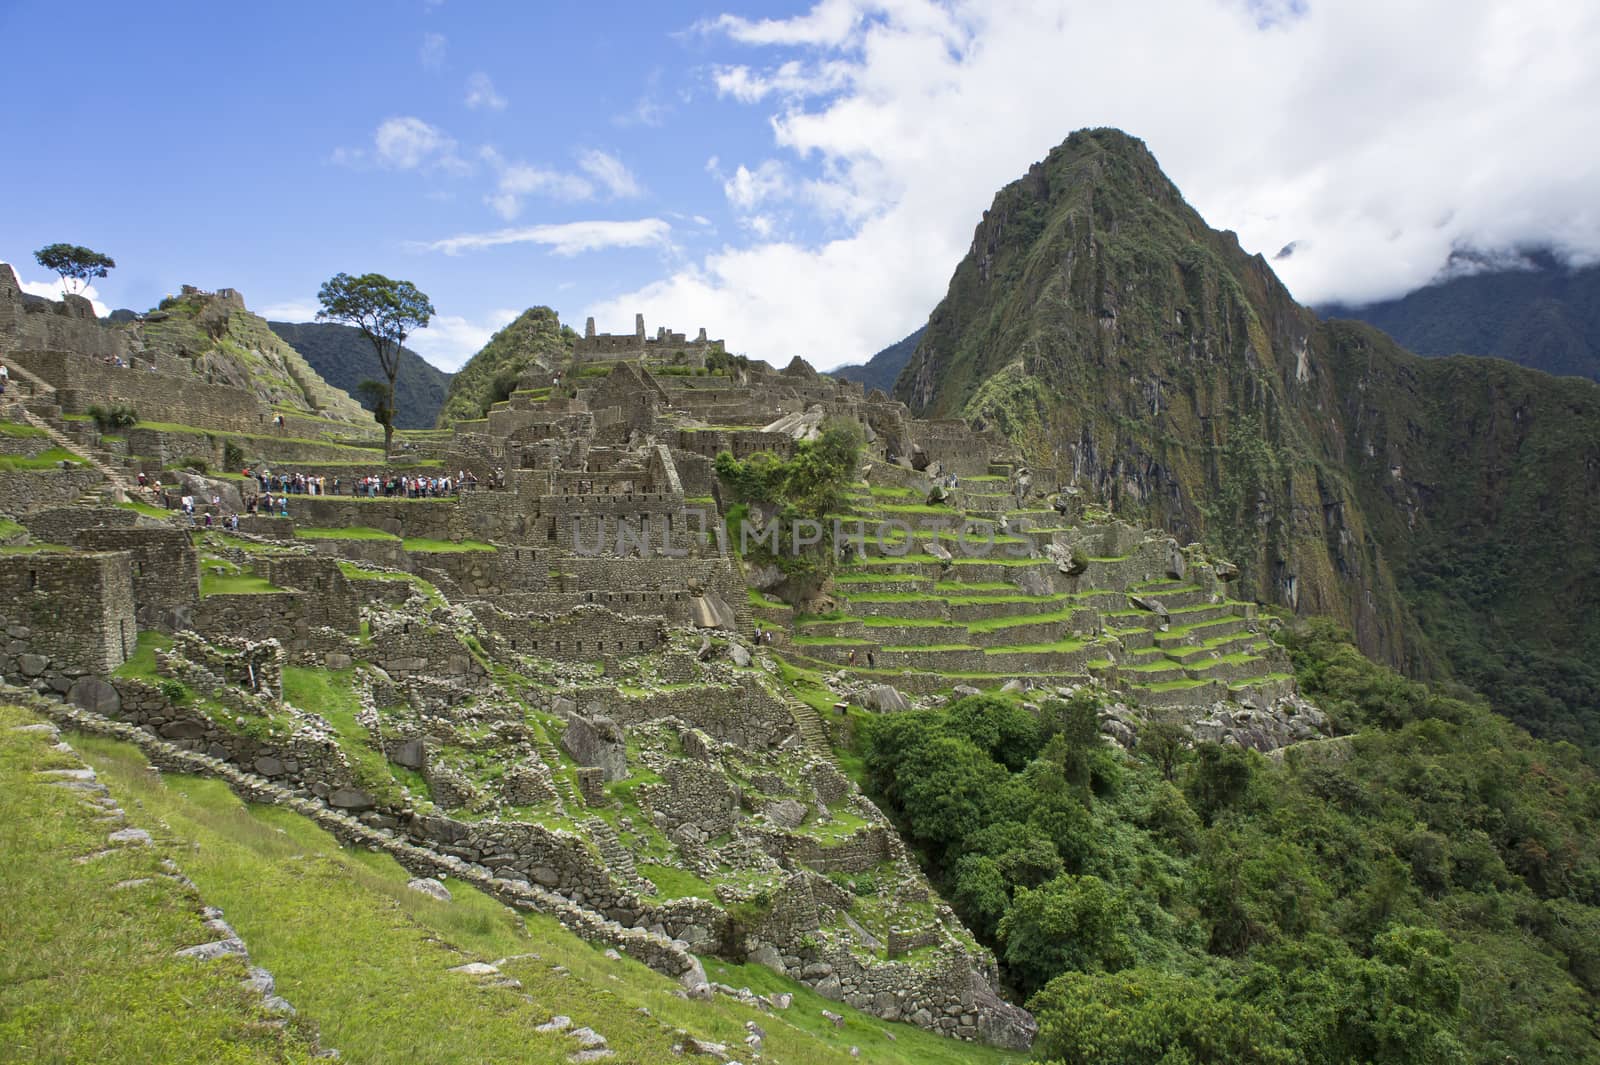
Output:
(801, 178)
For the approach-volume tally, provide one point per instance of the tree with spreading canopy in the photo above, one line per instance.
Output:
(74, 263)
(386, 311)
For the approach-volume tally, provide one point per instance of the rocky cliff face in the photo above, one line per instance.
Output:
(1142, 355)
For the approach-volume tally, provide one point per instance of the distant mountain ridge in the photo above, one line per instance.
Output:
(344, 358)
(882, 369)
(1544, 315)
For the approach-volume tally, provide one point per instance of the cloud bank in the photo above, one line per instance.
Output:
(1379, 137)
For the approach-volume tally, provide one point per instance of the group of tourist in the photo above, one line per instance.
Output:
(411, 487)
(371, 486)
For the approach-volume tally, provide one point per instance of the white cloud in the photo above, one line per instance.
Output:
(289, 311)
(610, 173)
(51, 290)
(830, 22)
(748, 189)
(518, 181)
(450, 340)
(1458, 125)
(408, 143)
(432, 51)
(790, 79)
(481, 93)
(564, 238)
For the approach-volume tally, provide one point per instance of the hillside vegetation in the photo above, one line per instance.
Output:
(1445, 509)
(882, 369)
(230, 346)
(344, 358)
(1544, 315)
(1424, 890)
(535, 339)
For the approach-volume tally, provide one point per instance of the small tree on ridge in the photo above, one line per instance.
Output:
(74, 262)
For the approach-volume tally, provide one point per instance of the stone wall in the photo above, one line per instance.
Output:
(69, 324)
(329, 600)
(61, 525)
(262, 446)
(66, 612)
(583, 635)
(432, 519)
(22, 491)
(278, 616)
(82, 381)
(165, 570)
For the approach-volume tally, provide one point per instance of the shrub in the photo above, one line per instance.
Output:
(117, 416)
(232, 455)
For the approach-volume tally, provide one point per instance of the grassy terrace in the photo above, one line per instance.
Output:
(445, 546)
(22, 431)
(353, 532)
(46, 460)
(216, 434)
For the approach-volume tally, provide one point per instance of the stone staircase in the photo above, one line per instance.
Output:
(809, 725)
(118, 489)
(618, 859)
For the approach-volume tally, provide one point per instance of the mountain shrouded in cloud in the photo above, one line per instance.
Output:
(1376, 153)
(1533, 310)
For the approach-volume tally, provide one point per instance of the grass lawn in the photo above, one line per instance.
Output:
(44, 460)
(145, 508)
(353, 532)
(421, 544)
(87, 965)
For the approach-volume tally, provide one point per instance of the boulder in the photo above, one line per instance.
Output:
(412, 754)
(427, 885)
(96, 695)
(786, 813)
(710, 612)
(919, 457)
(597, 743)
(740, 656)
(886, 699)
(350, 799)
(1177, 565)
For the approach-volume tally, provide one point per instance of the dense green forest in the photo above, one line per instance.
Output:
(1423, 889)
(344, 358)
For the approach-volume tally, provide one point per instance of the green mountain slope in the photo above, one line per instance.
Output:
(535, 339)
(229, 345)
(345, 358)
(1445, 509)
(1546, 317)
(881, 370)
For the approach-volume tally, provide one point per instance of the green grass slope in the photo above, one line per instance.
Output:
(87, 965)
(536, 338)
(365, 960)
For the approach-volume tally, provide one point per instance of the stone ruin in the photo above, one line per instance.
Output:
(557, 664)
